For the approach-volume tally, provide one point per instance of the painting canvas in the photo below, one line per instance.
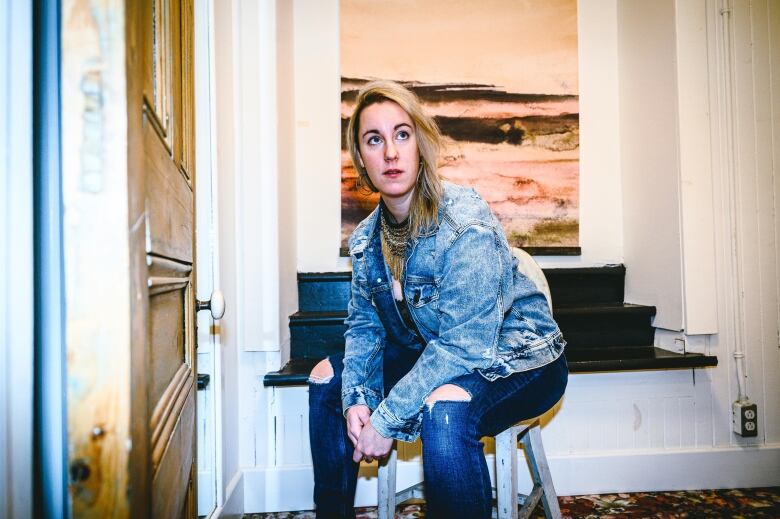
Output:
(500, 78)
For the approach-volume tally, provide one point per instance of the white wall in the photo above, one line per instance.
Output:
(697, 231)
(665, 162)
(318, 135)
(16, 261)
(746, 179)
(649, 158)
(256, 224)
(288, 189)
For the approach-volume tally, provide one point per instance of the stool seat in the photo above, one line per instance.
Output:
(507, 497)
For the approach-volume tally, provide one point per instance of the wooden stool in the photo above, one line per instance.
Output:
(506, 494)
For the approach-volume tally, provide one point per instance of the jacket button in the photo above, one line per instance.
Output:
(378, 280)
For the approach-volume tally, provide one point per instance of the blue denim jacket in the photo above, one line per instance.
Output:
(472, 307)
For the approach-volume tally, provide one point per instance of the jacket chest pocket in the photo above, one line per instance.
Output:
(423, 299)
(422, 294)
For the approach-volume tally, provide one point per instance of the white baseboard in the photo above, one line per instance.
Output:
(290, 487)
(234, 499)
(206, 491)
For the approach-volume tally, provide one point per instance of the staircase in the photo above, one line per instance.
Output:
(602, 332)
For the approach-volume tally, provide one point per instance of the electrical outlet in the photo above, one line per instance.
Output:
(744, 418)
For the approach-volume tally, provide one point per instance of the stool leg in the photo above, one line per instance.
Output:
(386, 482)
(534, 450)
(506, 473)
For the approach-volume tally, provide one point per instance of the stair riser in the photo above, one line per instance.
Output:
(569, 297)
(323, 296)
(604, 331)
(590, 290)
(315, 341)
(330, 292)
(584, 340)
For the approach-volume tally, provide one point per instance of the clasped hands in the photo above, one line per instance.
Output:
(369, 444)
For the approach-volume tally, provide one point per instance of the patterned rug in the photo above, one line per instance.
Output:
(731, 503)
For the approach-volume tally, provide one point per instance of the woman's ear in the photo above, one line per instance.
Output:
(360, 160)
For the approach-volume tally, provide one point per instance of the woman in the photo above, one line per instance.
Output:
(445, 339)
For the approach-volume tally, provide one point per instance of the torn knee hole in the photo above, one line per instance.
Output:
(322, 373)
(447, 393)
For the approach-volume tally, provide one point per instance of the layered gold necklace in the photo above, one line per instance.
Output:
(395, 236)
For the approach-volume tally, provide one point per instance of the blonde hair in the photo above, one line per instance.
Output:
(428, 190)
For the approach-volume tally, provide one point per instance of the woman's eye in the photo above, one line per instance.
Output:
(374, 140)
(402, 135)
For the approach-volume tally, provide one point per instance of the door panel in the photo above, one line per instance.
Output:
(187, 162)
(129, 199)
(155, 21)
(167, 355)
(168, 495)
(170, 319)
(169, 197)
(169, 213)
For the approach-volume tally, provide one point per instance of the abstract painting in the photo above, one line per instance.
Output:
(500, 78)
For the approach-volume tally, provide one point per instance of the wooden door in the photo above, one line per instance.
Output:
(128, 121)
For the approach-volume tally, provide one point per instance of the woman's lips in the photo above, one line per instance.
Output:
(392, 172)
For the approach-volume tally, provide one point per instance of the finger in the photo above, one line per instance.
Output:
(354, 433)
(354, 427)
(357, 456)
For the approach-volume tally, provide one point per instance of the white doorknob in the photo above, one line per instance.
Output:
(216, 304)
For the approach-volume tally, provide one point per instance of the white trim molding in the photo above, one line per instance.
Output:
(16, 260)
(233, 508)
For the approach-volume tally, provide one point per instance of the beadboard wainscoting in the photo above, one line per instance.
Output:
(616, 439)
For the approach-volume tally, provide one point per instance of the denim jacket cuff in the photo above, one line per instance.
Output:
(391, 427)
(359, 395)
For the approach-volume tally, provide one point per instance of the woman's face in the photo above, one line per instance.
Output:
(388, 149)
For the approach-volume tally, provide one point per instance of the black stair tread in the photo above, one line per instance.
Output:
(617, 270)
(325, 276)
(622, 308)
(305, 317)
(620, 359)
(296, 371)
(612, 270)
(612, 308)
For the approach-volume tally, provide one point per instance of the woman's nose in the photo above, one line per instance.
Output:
(391, 152)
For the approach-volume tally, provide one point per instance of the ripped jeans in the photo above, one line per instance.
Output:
(457, 481)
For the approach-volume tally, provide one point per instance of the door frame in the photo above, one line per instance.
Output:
(206, 201)
(50, 473)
